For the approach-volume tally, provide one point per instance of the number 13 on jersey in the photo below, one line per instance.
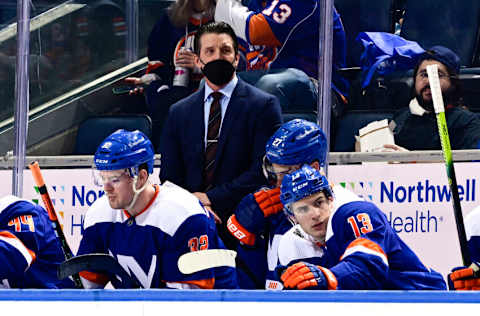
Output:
(284, 11)
(360, 224)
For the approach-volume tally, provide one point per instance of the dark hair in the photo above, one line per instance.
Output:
(217, 28)
(180, 11)
(143, 166)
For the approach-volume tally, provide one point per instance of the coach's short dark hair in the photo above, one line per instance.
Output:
(218, 28)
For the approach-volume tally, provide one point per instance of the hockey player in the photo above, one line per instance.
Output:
(284, 34)
(146, 227)
(29, 250)
(258, 221)
(356, 247)
(468, 278)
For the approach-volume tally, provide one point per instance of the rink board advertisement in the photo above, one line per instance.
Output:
(415, 198)
(418, 204)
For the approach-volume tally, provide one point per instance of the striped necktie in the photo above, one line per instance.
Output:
(214, 120)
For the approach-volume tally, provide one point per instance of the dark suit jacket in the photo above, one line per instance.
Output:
(252, 116)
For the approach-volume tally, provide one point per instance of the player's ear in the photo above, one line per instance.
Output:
(197, 61)
(315, 165)
(235, 61)
(143, 175)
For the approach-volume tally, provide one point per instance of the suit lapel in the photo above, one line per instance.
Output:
(234, 107)
(197, 124)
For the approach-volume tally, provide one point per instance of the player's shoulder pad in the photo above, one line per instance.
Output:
(172, 207)
(8, 200)
(12, 206)
(343, 196)
(472, 223)
(345, 203)
(101, 212)
(295, 245)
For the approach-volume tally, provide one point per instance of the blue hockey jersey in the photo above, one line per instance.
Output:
(284, 34)
(257, 258)
(472, 229)
(30, 252)
(362, 250)
(149, 245)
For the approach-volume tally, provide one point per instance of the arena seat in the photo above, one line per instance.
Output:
(94, 130)
(349, 125)
(312, 117)
(293, 88)
(454, 24)
(363, 16)
(470, 79)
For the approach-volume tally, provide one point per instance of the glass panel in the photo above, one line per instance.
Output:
(71, 44)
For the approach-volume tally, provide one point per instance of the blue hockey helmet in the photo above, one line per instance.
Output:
(295, 142)
(125, 150)
(301, 184)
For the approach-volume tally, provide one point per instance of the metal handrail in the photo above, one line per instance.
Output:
(80, 92)
(342, 158)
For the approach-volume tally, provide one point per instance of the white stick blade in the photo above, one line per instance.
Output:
(206, 259)
(434, 81)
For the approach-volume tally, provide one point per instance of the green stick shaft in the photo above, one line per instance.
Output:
(437, 98)
(452, 182)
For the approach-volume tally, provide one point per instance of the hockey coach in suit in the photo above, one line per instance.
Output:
(214, 140)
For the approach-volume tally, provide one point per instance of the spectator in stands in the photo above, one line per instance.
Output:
(170, 45)
(283, 34)
(214, 140)
(415, 127)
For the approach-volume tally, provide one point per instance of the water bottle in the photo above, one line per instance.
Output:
(182, 76)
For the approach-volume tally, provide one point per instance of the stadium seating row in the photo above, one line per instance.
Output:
(441, 26)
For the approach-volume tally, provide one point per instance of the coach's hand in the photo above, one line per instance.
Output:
(215, 216)
(203, 197)
(465, 278)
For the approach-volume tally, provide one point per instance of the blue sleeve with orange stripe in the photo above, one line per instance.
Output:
(20, 239)
(271, 24)
(91, 243)
(29, 249)
(472, 228)
(14, 256)
(474, 246)
(366, 253)
(361, 235)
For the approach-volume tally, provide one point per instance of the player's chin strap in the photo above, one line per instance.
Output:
(302, 234)
(136, 192)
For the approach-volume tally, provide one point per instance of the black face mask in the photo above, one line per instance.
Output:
(218, 71)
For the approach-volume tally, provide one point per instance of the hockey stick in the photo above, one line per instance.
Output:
(42, 188)
(432, 71)
(195, 261)
(96, 262)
